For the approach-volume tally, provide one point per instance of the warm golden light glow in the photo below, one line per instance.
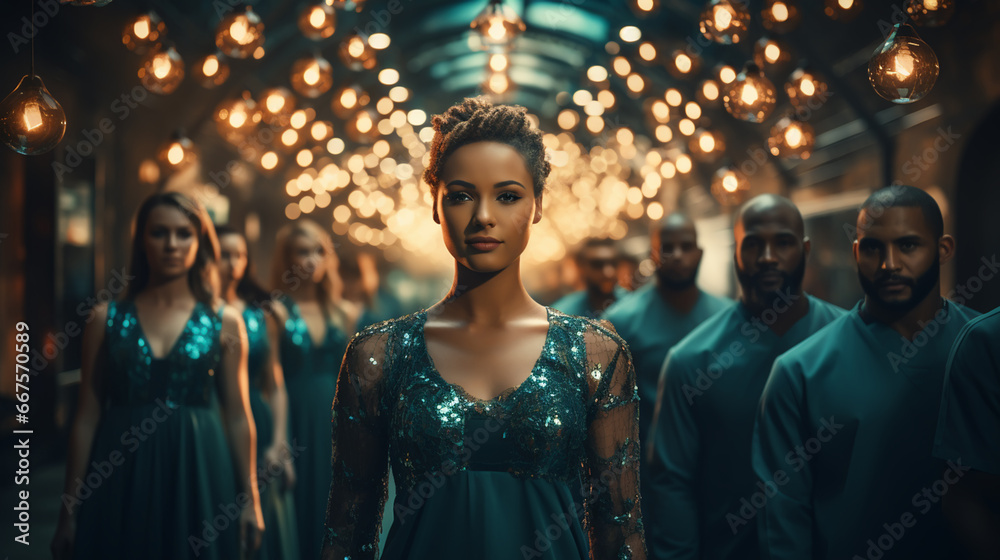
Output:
(622, 66)
(845, 4)
(793, 136)
(683, 63)
(630, 34)
(647, 52)
(706, 142)
(597, 73)
(807, 87)
(683, 163)
(378, 41)
(269, 160)
(772, 52)
(692, 110)
(749, 95)
(686, 127)
(141, 28)
(723, 18)
(710, 90)
(210, 66)
(32, 116)
(673, 97)
(498, 62)
(779, 11)
(727, 74)
(175, 154)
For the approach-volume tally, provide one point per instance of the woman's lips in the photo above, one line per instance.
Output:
(483, 243)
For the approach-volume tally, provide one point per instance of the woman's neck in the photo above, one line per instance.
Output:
(488, 298)
(305, 291)
(167, 291)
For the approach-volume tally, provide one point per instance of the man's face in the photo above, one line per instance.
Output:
(599, 268)
(677, 257)
(770, 255)
(898, 258)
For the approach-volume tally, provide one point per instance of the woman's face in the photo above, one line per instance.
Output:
(233, 261)
(170, 241)
(309, 259)
(486, 205)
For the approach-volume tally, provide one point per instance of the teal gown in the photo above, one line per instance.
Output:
(163, 480)
(310, 381)
(702, 430)
(493, 479)
(842, 444)
(576, 303)
(280, 540)
(969, 423)
(651, 327)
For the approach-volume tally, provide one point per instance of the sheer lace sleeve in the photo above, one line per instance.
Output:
(360, 459)
(613, 521)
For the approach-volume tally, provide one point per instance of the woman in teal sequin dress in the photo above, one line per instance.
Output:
(268, 400)
(489, 407)
(315, 320)
(150, 473)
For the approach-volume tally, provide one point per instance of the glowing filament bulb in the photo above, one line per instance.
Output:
(904, 64)
(141, 28)
(498, 63)
(161, 65)
(317, 17)
(239, 31)
(723, 19)
(237, 119)
(807, 87)
(311, 75)
(793, 136)
(32, 116)
(730, 183)
(749, 95)
(348, 98)
(274, 102)
(175, 154)
(211, 66)
(364, 123)
(683, 63)
(269, 160)
(496, 30)
(356, 47)
(772, 52)
(779, 11)
(845, 4)
(706, 143)
(930, 4)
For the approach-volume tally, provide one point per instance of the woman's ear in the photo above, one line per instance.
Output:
(538, 210)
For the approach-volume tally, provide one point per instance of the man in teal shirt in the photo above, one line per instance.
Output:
(656, 316)
(710, 387)
(969, 430)
(842, 443)
(597, 261)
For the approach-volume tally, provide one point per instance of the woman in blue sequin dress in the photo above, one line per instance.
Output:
(268, 400)
(315, 321)
(154, 470)
(489, 407)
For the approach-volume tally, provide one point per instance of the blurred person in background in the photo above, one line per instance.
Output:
(364, 288)
(597, 263)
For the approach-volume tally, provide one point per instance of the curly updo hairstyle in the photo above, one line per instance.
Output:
(476, 119)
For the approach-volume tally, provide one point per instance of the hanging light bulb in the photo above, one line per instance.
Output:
(346, 101)
(497, 24)
(312, 76)
(780, 16)
(210, 71)
(930, 13)
(803, 87)
(239, 34)
(143, 32)
(792, 138)
(318, 21)
(843, 10)
(496, 83)
(706, 145)
(361, 128)
(903, 68)
(31, 121)
(177, 153)
(237, 118)
(356, 54)
(724, 21)
(708, 93)
(162, 71)
(277, 106)
(771, 53)
(683, 64)
(730, 186)
(750, 97)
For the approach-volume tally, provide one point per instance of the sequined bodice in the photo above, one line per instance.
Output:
(299, 356)
(258, 345)
(537, 428)
(184, 376)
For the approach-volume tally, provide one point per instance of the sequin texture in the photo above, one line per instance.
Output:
(575, 417)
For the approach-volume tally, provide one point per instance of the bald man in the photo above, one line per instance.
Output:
(653, 318)
(843, 439)
(710, 387)
(597, 260)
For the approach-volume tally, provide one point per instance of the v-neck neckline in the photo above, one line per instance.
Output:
(305, 325)
(170, 351)
(506, 393)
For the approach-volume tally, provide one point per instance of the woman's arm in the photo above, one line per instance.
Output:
(88, 415)
(613, 520)
(235, 402)
(274, 389)
(360, 459)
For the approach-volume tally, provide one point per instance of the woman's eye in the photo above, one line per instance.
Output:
(185, 233)
(508, 197)
(457, 197)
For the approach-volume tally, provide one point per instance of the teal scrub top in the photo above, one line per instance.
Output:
(651, 327)
(969, 423)
(703, 427)
(576, 303)
(842, 444)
